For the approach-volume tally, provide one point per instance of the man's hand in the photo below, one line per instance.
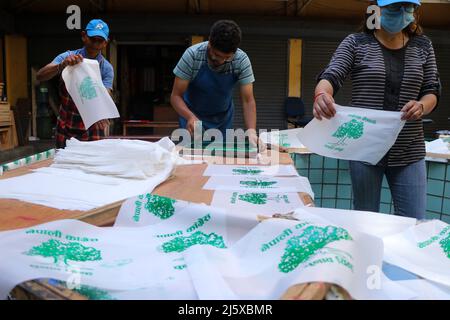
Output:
(413, 110)
(71, 60)
(103, 124)
(190, 126)
(324, 106)
(255, 141)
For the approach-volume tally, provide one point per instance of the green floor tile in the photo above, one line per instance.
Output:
(330, 176)
(436, 170)
(330, 163)
(435, 187)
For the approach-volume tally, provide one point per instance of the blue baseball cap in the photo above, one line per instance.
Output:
(382, 3)
(98, 28)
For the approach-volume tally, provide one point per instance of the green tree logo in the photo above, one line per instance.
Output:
(301, 248)
(353, 129)
(61, 251)
(257, 183)
(94, 293)
(445, 245)
(180, 244)
(254, 198)
(160, 207)
(87, 89)
(247, 171)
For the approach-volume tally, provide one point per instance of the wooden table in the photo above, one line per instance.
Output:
(185, 184)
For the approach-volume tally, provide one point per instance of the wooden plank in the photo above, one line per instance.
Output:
(16, 67)
(295, 68)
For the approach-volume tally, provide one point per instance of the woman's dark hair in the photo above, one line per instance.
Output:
(225, 36)
(413, 29)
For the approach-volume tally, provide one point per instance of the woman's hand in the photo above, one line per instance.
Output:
(413, 110)
(324, 106)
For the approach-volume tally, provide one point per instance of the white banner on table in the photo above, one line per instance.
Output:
(84, 84)
(426, 290)
(119, 258)
(233, 170)
(376, 224)
(76, 252)
(163, 212)
(255, 203)
(279, 253)
(353, 134)
(259, 184)
(284, 138)
(423, 249)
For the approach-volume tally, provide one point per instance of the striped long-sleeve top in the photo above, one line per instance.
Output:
(387, 79)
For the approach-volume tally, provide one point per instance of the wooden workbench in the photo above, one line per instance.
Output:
(186, 183)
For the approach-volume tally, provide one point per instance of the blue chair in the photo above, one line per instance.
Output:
(295, 112)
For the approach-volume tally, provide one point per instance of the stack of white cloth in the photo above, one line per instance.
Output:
(131, 159)
(88, 175)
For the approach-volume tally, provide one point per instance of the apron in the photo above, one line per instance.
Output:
(210, 97)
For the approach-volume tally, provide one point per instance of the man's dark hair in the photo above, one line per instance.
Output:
(225, 36)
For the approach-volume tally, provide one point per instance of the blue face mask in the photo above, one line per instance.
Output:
(394, 21)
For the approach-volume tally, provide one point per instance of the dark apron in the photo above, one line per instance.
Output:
(210, 97)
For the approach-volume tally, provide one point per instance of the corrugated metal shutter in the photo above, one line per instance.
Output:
(316, 56)
(269, 62)
(442, 112)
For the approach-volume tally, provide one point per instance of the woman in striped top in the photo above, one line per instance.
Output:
(392, 68)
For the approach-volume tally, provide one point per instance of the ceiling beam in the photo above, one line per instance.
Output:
(305, 4)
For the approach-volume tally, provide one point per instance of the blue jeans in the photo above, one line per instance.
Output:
(407, 184)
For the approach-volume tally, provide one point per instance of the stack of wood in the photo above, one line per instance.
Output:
(2, 85)
(8, 134)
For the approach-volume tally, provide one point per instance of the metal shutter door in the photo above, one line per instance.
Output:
(269, 62)
(316, 56)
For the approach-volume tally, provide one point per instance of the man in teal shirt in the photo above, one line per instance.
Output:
(204, 80)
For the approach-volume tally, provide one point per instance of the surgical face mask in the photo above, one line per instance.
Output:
(394, 20)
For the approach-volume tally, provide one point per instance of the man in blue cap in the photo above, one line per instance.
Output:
(70, 124)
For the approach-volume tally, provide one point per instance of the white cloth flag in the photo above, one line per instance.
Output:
(353, 134)
(172, 219)
(376, 224)
(284, 138)
(84, 84)
(124, 262)
(256, 203)
(76, 252)
(279, 253)
(423, 249)
(233, 170)
(259, 184)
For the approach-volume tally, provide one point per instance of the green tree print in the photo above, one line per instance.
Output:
(257, 183)
(247, 171)
(94, 293)
(179, 244)
(160, 207)
(254, 198)
(65, 251)
(353, 129)
(301, 248)
(445, 245)
(87, 89)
